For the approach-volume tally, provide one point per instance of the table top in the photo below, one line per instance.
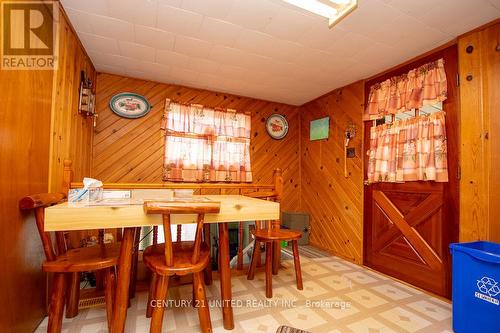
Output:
(234, 208)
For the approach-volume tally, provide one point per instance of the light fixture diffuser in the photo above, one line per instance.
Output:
(334, 10)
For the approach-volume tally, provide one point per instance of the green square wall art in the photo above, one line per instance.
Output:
(319, 129)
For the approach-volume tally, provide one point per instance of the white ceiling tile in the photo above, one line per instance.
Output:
(265, 49)
(178, 20)
(173, 3)
(171, 58)
(368, 16)
(255, 14)
(410, 33)
(109, 59)
(192, 46)
(412, 8)
(136, 51)
(203, 65)
(143, 12)
(109, 69)
(226, 55)
(289, 24)
(255, 42)
(254, 62)
(153, 37)
(80, 20)
(495, 3)
(112, 27)
(213, 8)
(99, 43)
(285, 51)
(231, 71)
(349, 45)
(99, 7)
(218, 31)
(456, 17)
(184, 76)
(321, 37)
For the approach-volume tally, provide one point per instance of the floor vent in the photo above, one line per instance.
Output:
(91, 302)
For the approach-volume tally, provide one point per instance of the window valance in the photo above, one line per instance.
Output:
(425, 85)
(409, 150)
(205, 144)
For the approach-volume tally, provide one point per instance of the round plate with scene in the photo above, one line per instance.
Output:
(277, 126)
(129, 105)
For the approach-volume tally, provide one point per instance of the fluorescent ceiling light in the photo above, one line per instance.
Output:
(334, 10)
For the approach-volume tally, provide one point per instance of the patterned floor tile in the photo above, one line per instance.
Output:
(337, 282)
(407, 320)
(338, 297)
(391, 291)
(366, 298)
(303, 317)
(369, 325)
(361, 277)
(261, 324)
(430, 310)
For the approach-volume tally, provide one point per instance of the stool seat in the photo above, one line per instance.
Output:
(154, 258)
(266, 235)
(83, 259)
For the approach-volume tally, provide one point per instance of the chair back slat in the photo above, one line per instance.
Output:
(169, 255)
(166, 208)
(37, 203)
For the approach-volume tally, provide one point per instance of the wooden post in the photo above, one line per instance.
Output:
(278, 183)
(67, 176)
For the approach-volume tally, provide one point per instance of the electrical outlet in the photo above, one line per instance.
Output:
(351, 153)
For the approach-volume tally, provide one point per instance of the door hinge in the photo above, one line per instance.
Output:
(459, 172)
(458, 80)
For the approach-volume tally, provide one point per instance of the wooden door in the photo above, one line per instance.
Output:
(408, 226)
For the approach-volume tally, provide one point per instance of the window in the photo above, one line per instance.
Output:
(206, 145)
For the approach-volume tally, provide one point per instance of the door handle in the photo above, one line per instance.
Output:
(366, 182)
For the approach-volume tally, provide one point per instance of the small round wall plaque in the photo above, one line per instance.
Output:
(129, 105)
(277, 126)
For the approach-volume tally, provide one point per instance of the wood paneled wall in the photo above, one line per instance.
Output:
(24, 167)
(334, 202)
(131, 150)
(39, 126)
(480, 134)
(71, 133)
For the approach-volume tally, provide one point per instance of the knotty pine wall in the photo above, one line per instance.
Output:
(39, 127)
(131, 150)
(71, 133)
(480, 134)
(334, 202)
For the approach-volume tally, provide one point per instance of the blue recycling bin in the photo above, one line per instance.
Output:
(476, 287)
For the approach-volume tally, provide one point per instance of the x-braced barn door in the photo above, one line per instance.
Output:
(408, 226)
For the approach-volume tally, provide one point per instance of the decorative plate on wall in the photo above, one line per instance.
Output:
(129, 105)
(277, 126)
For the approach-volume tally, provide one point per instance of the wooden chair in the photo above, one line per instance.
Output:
(67, 262)
(178, 259)
(269, 232)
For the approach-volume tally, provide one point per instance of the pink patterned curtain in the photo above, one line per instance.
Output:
(409, 150)
(425, 85)
(206, 145)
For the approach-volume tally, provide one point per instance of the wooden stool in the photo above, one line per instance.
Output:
(100, 257)
(268, 232)
(179, 258)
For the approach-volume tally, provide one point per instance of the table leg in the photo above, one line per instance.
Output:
(225, 276)
(123, 281)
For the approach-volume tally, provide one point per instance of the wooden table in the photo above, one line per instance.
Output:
(234, 208)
